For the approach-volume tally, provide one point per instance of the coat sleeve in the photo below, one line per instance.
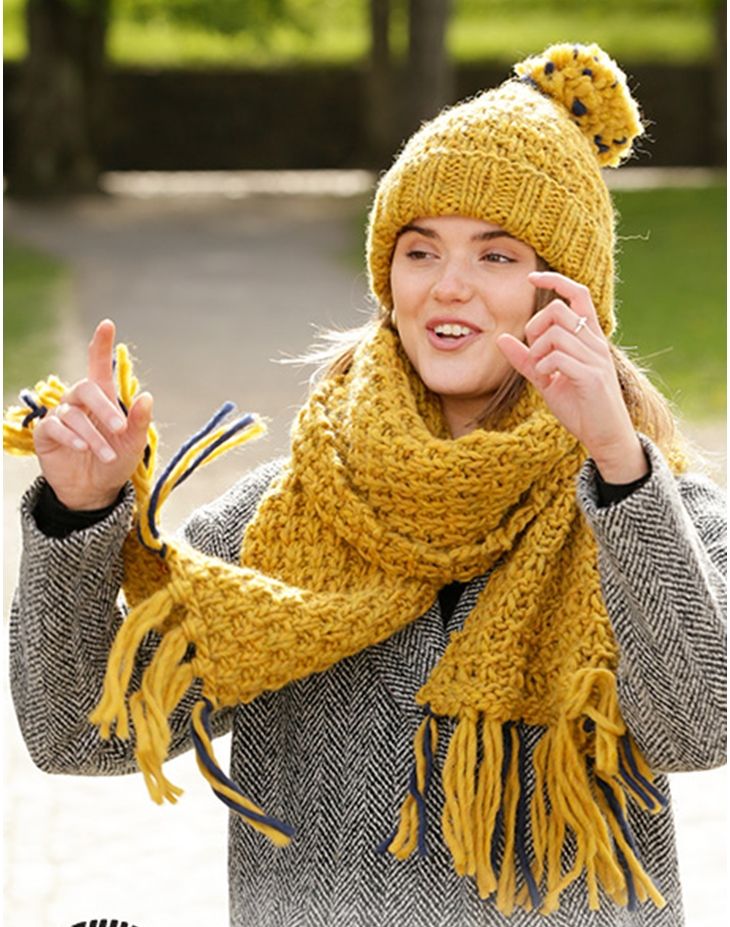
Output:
(662, 555)
(65, 614)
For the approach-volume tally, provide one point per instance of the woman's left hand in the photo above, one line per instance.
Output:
(567, 358)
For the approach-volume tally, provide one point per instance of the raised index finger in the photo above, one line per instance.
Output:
(577, 295)
(101, 357)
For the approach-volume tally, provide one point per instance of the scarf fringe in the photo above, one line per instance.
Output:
(584, 767)
(411, 832)
(225, 788)
(213, 440)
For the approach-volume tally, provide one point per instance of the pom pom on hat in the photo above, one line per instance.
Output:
(592, 87)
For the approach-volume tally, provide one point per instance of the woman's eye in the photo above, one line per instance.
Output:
(415, 255)
(495, 257)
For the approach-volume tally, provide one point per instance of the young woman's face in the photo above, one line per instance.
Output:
(457, 284)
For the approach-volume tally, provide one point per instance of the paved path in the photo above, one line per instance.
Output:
(208, 289)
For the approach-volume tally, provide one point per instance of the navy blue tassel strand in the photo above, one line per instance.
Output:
(36, 409)
(221, 414)
(628, 836)
(221, 777)
(420, 797)
(648, 792)
(521, 826)
(499, 820)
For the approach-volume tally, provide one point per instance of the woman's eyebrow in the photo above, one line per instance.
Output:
(419, 229)
(432, 233)
(488, 236)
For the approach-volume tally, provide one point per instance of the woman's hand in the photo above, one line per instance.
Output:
(87, 448)
(567, 358)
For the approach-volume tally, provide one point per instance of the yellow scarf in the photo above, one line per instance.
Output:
(376, 510)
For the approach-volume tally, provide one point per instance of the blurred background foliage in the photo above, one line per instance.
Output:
(671, 293)
(30, 279)
(265, 33)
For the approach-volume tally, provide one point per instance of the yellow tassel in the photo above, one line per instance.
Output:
(164, 683)
(576, 801)
(147, 756)
(573, 805)
(538, 810)
(276, 836)
(161, 682)
(149, 615)
(507, 876)
(645, 888)
(405, 840)
(459, 778)
(406, 837)
(487, 806)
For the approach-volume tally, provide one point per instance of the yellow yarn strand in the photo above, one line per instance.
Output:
(511, 794)
(148, 616)
(147, 755)
(453, 818)
(405, 840)
(488, 800)
(17, 438)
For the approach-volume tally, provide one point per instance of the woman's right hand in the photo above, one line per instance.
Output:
(86, 447)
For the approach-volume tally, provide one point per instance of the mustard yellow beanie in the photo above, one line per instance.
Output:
(525, 156)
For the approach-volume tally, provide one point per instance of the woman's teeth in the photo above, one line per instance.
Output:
(453, 331)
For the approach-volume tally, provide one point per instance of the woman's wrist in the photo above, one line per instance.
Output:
(623, 462)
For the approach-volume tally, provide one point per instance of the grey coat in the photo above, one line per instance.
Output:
(332, 754)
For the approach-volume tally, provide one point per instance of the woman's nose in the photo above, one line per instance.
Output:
(453, 284)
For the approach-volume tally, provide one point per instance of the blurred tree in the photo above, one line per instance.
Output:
(429, 72)
(59, 97)
(720, 81)
(61, 88)
(380, 126)
(400, 95)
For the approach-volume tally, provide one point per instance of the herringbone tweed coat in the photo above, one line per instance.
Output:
(332, 754)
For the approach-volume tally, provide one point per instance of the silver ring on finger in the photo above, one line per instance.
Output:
(582, 322)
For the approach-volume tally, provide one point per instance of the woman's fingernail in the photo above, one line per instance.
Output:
(107, 455)
(116, 423)
(80, 445)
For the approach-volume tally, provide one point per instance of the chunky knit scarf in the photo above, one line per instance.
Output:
(376, 510)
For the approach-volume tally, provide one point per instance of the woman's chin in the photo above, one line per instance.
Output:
(457, 389)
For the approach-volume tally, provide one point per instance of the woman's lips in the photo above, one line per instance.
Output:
(448, 342)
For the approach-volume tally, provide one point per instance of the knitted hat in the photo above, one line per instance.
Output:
(525, 156)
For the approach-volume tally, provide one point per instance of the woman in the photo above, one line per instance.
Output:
(481, 591)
